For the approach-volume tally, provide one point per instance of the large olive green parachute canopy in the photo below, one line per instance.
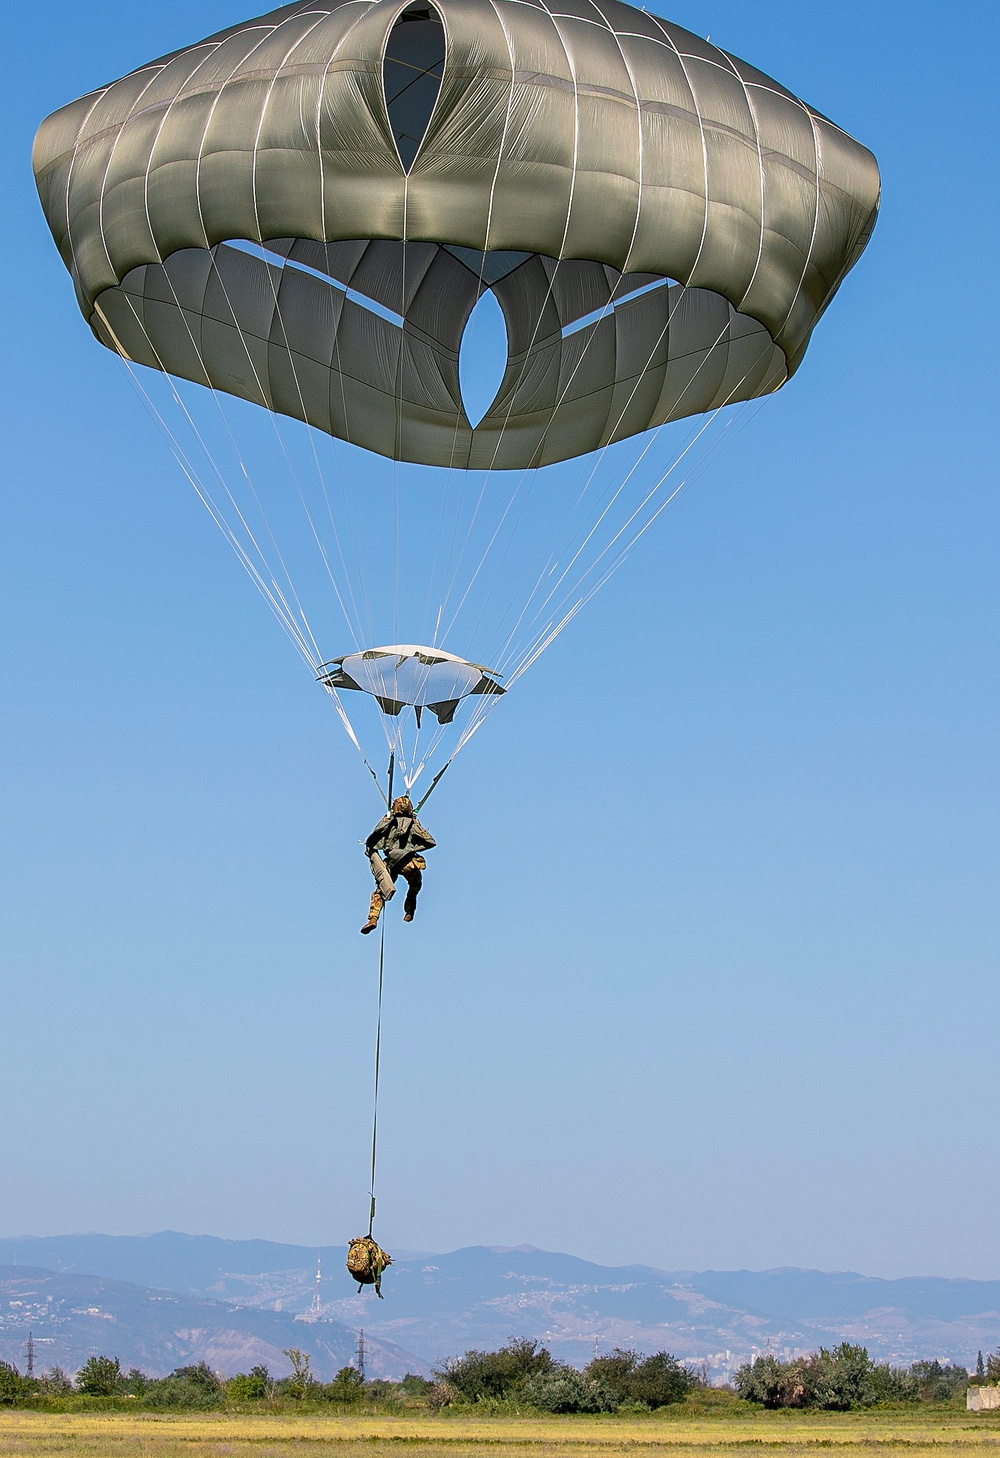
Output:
(303, 211)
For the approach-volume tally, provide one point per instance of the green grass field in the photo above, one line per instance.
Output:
(687, 1429)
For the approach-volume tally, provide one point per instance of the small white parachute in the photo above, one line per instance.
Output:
(407, 674)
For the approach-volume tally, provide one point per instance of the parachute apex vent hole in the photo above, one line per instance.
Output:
(411, 76)
(482, 357)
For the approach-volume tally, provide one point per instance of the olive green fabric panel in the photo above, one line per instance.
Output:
(601, 136)
(286, 340)
(614, 136)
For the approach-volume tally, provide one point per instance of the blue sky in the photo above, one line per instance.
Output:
(706, 970)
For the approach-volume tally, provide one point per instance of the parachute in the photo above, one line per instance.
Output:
(293, 233)
(408, 674)
(305, 212)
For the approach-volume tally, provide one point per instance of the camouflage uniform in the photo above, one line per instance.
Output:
(398, 838)
(414, 880)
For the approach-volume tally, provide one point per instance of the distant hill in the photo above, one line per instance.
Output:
(195, 1264)
(72, 1317)
(439, 1305)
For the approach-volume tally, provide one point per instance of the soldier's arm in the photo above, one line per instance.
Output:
(377, 836)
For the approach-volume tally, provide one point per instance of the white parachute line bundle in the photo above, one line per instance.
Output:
(522, 660)
(509, 651)
(354, 626)
(587, 475)
(265, 581)
(272, 591)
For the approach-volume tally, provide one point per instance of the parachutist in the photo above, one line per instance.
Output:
(393, 848)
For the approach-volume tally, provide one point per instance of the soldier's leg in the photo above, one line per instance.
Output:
(374, 910)
(414, 881)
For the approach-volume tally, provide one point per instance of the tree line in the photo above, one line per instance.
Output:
(521, 1374)
(846, 1377)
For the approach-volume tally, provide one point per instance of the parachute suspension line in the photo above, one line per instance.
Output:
(270, 592)
(542, 636)
(510, 650)
(269, 589)
(465, 472)
(349, 506)
(431, 788)
(378, 1060)
(348, 726)
(378, 1022)
(232, 438)
(530, 475)
(570, 508)
(390, 739)
(262, 576)
(552, 631)
(554, 628)
(354, 625)
(588, 537)
(455, 563)
(206, 450)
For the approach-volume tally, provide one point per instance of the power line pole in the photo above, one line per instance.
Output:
(361, 1353)
(316, 1309)
(30, 1355)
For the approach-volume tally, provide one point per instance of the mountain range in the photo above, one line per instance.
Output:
(221, 1300)
(73, 1317)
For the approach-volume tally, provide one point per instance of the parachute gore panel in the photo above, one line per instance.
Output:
(278, 212)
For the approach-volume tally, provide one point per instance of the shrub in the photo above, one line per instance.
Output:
(566, 1390)
(13, 1387)
(936, 1381)
(380, 1388)
(55, 1383)
(250, 1386)
(653, 1381)
(348, 1386)
(101, 1377)
(191, 1387)
(415, 1386)
(483, 1375)
(200, 1376)
(302, 1380)
(442, 1394)
(837, 1380)
(843, 1378)
(892, 1384)
(770, 1382)
(136, 1383)
(178, 1392)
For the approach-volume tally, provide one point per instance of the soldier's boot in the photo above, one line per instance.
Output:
(373, 913)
